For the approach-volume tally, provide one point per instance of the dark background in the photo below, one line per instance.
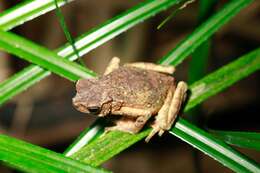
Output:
(43, 114)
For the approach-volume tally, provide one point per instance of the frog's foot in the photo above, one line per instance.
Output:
(169, 110)
(154, 67)
(155, 129)
(113, 65)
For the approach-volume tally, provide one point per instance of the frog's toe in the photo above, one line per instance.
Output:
(160, 133)
(156, 129)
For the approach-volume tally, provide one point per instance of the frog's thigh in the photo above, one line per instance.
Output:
(178, 99)
(113, 65)
(154, 67)
(161, 118)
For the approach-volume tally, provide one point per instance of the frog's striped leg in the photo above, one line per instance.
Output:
(168, 69)
(113, 65)
(161, 118)
(177, 100)
(169, 110)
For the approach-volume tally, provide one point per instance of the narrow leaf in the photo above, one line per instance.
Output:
(249, 140)
(175, 12)
(26, 11)
(30, 158)
(223, 78)
(213, 147)
(34, 53)
(66, 31)
(199, 61)
(203, 32)
(42, 56)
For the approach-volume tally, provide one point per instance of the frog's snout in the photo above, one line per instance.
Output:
(79, 106)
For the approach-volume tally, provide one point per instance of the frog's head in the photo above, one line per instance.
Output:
(92, 98)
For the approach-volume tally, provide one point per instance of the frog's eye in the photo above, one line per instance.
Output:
(94, 109)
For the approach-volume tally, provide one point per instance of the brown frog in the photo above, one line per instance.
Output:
(134, 91)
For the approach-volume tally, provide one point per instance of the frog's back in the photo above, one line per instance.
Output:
(138, 88)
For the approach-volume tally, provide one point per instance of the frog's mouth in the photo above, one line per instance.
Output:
(79, 106)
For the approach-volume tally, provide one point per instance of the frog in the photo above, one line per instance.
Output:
(134, 92)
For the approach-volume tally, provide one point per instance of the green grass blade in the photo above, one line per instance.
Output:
(66, 31)
(105, 147)
(26, 11)
(250, 140)
(199, 61)
(203, 32)
(30, 158)
(214, 148)
(87, 42)
(223, 78)
(175, 12)
(34, 53)
(21, 81)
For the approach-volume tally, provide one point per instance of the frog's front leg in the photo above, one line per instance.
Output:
(168, 69)
(113, 65)
(169, 110)
(124, 124)
(132, 120)
(129, 124)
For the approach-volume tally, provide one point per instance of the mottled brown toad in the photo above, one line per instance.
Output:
(134, 91)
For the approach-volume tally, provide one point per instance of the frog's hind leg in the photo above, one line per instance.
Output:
(176, 102)
(154, 67)
(161, 118)
(178, 98)
(169, 110)
(113, 65)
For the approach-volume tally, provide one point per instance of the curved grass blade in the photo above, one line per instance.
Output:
(183, 47)
(31, 158)
(34, 53)
(175, 12)
(199, 60)
(250, 140)
(26, 11)
(108, 145)
(66, 31)
(197, 69)
(87, 42)
(213, 147)
(223, 78)
(203, 32)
